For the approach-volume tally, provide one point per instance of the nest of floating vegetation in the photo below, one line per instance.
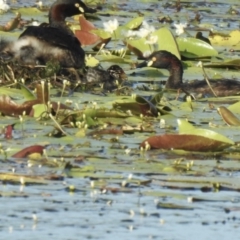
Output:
(67, 78)
(13, 71)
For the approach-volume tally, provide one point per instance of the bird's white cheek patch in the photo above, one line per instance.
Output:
(150, 63)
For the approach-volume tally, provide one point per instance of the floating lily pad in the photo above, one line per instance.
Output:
(29, 11)
(134, 23)
(194, 48)
(234, 64)
(228, 117)
(186, 128)
(226, 40)
(166, 41)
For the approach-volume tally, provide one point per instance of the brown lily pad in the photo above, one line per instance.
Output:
(12, 24)
(185, 142)
(11, 108)
(29, 150)
(85, 36)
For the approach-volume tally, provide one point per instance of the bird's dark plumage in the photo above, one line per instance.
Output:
(166, 60)
(107, 77)
(50, 42)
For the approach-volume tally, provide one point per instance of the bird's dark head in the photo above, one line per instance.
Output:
(159, 59)
(166, 60)
(117, 72)
(67, 8)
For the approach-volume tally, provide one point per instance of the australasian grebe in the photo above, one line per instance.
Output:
(166, 60)
(107, 78)
(50, 42)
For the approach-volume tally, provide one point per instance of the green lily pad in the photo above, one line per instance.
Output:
(12, 92)
(39, 109)
(186, 128)
(226, 40)
(27, 93)
(134, 23)
(235, 107)
(29, 11)
(113, 58)
(91, 61)
(234, 64)
(101, 33)
(193, 48)
(166, 41)
(228, 117)
(138, 46)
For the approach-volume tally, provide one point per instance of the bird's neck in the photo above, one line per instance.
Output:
(175, 69)
(57, 16)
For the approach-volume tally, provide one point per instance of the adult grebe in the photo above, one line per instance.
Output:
(166, 60)
(50, 42)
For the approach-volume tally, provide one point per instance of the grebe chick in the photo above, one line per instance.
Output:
(166, 60)
(50, 42)
(107, 77)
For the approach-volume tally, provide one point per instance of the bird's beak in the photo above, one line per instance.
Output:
(142, 64)
(123, 76)
(84, 8)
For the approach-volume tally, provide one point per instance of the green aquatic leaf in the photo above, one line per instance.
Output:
(234, 64)
(26, 92)
(173, 206)
(12, 92)
(138, 46)
(101, 33)
(166, 41)
(228, 117)
(28, 11)
(235, 108)
(79, 172)
(194, 48)
(230, 39)
(91, 61)
(187, 128)
(39, 109)
(134, 23)
(113, 59)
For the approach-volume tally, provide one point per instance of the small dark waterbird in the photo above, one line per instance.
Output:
(110, 78)
(55, 42)
(166, 60)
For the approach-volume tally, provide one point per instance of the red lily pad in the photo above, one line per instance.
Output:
(8, 131)
(87, 38)
(86, 34)
(189, 138)
(29, 150)
(11, 108)
(185, 142)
